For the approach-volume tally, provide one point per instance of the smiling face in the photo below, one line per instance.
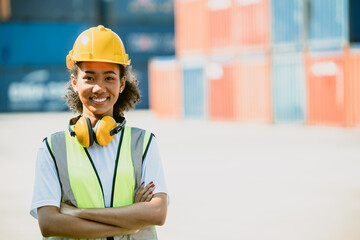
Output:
(98, 85)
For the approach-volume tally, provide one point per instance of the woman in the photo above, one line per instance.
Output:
(99, 179)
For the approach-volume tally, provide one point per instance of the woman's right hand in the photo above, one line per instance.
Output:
(144, 193)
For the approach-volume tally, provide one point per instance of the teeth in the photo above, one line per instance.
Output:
(99, 100)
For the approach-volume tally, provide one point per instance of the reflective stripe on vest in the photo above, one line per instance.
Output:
(83, 188)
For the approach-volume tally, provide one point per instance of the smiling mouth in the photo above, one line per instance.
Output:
(99, 100)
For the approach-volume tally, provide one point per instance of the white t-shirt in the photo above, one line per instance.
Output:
(47, 191)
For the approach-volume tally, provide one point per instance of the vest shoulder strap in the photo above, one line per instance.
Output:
(140, 142)
(56, 145)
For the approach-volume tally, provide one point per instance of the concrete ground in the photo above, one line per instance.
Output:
(226, 180)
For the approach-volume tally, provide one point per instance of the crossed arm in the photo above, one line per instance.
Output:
(71, 222)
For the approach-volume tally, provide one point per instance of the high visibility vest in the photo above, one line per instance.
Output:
(80, 183)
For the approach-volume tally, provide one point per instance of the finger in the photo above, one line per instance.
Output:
(137, 193)
(149, 197)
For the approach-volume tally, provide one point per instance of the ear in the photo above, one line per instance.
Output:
(73, 82)
(122, 83)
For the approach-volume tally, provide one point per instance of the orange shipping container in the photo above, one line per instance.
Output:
(253, 88)
(220, 21)
(221, 89)
(251, 24)
(165, 88)
(325, 81)
(191, 27)
(352, 87)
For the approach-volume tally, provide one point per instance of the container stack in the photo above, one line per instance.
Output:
(35, 37)
(147, 30)
(280, 61)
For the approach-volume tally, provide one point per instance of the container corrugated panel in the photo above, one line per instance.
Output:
(220, 22)
(253, 88)
(288, 87)
(195, 88)
(191, 27)
(251, 24)
(54, 10)
(352, 88)
(37, 43)
(33, 89)
(140, 10)
(328, 24)
(288, 24)
(325, 88)
(144, 41)
(354, 18)
(165, 87)
(220, 72)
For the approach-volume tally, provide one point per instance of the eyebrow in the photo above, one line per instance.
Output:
(107, 72)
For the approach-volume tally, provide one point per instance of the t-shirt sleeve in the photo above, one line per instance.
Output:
(152, 169)
(47, 191)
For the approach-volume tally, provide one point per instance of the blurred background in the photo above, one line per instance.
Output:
(255, 104)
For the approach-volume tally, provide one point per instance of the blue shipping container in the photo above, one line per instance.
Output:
(140, 70)
(195, 94)
(328, 24)
(288, 87)
(34, 44)
(35, 89)
(354, 27)
(145, 41)
(288, 24)
(140, 10)
(54, 10)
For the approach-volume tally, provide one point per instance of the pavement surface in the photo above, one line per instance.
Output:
(226, 180)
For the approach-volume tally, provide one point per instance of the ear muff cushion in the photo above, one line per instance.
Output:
(83, 132)
(103, 128)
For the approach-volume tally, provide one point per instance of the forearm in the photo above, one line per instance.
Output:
(135, 216)
(53, 223)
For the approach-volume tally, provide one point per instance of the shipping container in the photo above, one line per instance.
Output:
(288, 87)
(220, 72)
(251, 24)
(165, 87)
(325, 88)
(4, 10)
(220, 23)
(35, 43)
(253, 88)
(195, 87)
(329, 21)
(33, 89)
(288, 24)
(191, 27)
(144, 41)
(54, 10)
(121, 11)
(140, 70)
(352, 87)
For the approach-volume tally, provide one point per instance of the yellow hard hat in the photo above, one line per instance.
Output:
(98, 44)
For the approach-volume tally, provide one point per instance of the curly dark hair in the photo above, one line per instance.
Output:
(126, 101)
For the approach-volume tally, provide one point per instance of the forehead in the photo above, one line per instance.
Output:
(99, 67)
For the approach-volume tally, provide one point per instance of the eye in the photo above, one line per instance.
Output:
(89, 78)
(109, 78)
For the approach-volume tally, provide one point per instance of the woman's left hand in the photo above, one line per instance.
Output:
(144, 194)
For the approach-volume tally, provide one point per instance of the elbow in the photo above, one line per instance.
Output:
(160, 218)
(46, 230)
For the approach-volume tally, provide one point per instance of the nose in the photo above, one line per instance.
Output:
(99, 87)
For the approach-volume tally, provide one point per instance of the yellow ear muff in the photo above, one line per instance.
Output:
(103, 128)
(83, 132)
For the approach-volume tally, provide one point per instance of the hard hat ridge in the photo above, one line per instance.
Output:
(98, 44)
